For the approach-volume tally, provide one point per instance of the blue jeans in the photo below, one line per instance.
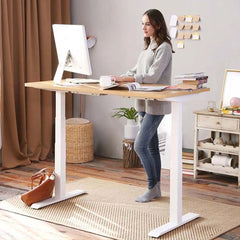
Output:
(147, 147)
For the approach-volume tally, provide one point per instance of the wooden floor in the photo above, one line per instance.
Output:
(16, 181)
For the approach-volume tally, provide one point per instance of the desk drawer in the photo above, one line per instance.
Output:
(230, 124)
(220, 123)
(209, 122)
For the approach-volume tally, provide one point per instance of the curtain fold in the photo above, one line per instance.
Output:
(28, 54)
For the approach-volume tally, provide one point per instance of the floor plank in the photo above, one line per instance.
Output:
(16, 181)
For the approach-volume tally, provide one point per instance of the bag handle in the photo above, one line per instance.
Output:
(42, 174)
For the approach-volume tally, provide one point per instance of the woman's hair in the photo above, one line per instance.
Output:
(161, 33)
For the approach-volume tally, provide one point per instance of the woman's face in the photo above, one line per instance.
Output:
(148, 29)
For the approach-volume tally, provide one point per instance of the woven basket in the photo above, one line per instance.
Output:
(79, 140)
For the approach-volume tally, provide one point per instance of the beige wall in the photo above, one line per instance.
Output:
(117, 26)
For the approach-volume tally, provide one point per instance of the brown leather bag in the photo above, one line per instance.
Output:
(45, 187)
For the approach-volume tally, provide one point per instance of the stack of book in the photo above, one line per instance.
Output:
(191, 80)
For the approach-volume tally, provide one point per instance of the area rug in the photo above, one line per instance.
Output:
(109, 209)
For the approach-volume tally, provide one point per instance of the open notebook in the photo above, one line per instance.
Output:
(135, 86)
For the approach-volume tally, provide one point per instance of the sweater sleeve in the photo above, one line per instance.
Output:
(161, 61)
(131, 72)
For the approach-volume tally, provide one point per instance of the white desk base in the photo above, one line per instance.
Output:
(171, 225)
(53, 200)
(176, 218)
(60, 157)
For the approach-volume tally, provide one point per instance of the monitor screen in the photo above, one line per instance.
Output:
(72, 50)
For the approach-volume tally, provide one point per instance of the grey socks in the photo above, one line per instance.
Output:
(159, 194)
(152, 193)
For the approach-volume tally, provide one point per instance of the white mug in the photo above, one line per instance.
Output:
(106, 81)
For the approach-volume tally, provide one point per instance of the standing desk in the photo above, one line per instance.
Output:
(175, 97)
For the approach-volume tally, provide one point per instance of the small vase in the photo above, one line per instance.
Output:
(131, 129)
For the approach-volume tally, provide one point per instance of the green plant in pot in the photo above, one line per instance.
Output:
(132, 127)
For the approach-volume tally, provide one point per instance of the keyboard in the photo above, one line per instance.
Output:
(82, 80)
(66, 84)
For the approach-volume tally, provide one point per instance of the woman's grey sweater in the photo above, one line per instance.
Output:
(153, 67)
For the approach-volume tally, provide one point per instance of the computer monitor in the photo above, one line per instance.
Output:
(72, 50)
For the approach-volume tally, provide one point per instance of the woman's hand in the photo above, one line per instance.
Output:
(123, 79)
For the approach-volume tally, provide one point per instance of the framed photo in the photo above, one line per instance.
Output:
(231, 87)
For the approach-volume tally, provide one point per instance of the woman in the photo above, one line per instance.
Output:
(153, 66)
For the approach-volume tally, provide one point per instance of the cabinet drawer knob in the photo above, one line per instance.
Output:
(218, 123)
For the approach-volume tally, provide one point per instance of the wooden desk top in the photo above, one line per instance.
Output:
(94, 89)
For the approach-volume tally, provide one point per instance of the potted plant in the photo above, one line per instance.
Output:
(132, 127)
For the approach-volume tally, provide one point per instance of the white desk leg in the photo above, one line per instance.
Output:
(60, 157)
(176, 218)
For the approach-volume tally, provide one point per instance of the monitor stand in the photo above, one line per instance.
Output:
(66, 61)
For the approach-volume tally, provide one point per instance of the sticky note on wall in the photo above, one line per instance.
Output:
(187, 26)
(181, 18)
(188, 18)
(196, 18)
(187, 35)
(196, 36)
(181, 26)
(173, 21)
(180, 44)
(180, 35)
(196, 27)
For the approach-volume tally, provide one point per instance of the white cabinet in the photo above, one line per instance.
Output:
(221, 126)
